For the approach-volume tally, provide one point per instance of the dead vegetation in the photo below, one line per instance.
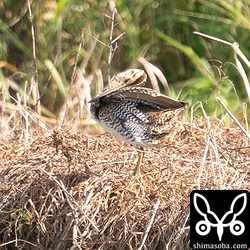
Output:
(73, 190)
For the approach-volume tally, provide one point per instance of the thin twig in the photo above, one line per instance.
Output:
(234, 45)
(99, 41)
(117, 38)
(233, 117)
(203, 163)
(25, 116)
(111, 48)
(37, 99)
(243, 74)
(238, 52)
(77, 58)
(19, 240)
(244, 110)
(149, 225)
(212, 37)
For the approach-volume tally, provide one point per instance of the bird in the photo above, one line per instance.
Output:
(135, 114)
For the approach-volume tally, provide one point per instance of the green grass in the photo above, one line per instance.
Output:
(197, 69)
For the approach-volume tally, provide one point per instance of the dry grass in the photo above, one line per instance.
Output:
(71, 190)
(75, 190)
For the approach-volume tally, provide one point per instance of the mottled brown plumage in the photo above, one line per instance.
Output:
(135, 114)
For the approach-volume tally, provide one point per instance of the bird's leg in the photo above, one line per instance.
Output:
(140, 151)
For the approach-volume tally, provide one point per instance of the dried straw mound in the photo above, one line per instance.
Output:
(77, 191)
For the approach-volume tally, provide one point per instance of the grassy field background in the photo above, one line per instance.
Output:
(48, 48)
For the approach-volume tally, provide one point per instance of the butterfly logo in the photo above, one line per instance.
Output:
(203, 227)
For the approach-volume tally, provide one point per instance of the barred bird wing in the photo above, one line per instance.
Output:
(150, 98)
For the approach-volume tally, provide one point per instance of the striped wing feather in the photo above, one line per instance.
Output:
(123, 80)
(149, 97)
